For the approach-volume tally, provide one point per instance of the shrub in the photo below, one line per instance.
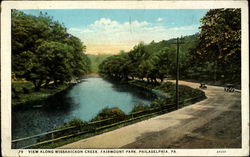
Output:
(158, 103)
(75, 122)
(167, 87)
(140, 107)
(110, 113)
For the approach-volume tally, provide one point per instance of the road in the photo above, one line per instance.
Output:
(212, 123)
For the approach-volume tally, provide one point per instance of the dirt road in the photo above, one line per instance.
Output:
(211, 123)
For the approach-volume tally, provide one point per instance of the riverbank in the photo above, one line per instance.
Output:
(164, 90)
(211, 123)
(140, 112)
(117, 118)
(23, 94)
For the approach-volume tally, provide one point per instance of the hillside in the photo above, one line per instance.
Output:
(96, 60)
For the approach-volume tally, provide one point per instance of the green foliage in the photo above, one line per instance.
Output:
(96, 60)
(169, 89)
(219, 46)
(142, 84)
(20, 96)
(43, 51)
(185, 92)
(110, 113)
(154, 61)
(139, 107)
(211, 55)
(75, 122)
(161, 102)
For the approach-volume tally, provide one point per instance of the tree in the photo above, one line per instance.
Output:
(220, 42)
(43, 51)
(165, 63)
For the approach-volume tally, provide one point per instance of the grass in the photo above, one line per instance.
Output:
(25, 93)
(168, 88)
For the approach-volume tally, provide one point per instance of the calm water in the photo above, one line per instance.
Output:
(83, 101)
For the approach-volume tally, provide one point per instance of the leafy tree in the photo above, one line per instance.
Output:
(220, 42)
(43, 51)
(165, 63)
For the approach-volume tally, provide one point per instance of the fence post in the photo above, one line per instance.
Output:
(52, 136)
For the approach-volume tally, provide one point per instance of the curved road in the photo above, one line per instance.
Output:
(212, 123)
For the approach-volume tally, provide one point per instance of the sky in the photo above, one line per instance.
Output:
(108, 31)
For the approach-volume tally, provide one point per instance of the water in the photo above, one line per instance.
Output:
(83, 101)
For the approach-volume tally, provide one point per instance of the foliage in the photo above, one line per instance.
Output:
(214, 54)
(78, 123)
(110, 113)
(169, 88)
(219, 46)
(157, 103)
(96, 60)
(20, 98)
(185, 92)
(154, 61)
(43, 51)
(139, 107)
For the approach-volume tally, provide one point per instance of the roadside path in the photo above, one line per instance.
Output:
(212, 123)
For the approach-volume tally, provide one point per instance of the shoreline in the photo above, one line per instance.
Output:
(36, 99)
(26, 100)
(198, 121)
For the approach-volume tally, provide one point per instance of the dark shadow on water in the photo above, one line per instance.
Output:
(51, 113)
(137, 91)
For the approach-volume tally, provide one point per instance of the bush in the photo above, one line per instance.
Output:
(158, 103)
(143, 84)
(167, 87)
(140, 107)
(75, 122)
(110, 113)
(185, 92)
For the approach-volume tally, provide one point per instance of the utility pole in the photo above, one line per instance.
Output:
(178, 43)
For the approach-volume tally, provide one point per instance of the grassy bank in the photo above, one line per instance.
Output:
(23, 93)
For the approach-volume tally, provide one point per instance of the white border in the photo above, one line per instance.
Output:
(6, 66)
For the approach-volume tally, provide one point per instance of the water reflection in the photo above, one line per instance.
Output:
(82, 101)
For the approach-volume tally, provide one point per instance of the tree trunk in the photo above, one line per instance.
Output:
(47, 83)
(37, 84)
(215, 71)
(155, 81)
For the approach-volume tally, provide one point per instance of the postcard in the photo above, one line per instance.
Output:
(124, 78)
